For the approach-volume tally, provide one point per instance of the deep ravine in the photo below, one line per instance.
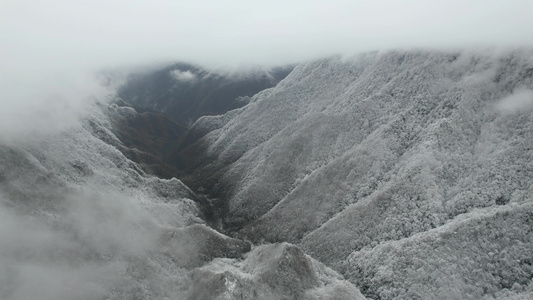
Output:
(390, 168)
(79, 220)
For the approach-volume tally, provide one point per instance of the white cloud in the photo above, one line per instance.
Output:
(183, 76)
(34, 103)
(519, 101)
(81, 256)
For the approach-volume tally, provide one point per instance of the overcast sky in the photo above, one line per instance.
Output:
(98, 32)
(45, 44)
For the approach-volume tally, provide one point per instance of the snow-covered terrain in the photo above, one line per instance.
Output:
(78, 220)
(388, 175)
(409, 172)
(272, 271)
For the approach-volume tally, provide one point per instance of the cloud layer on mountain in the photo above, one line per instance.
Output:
(49, 47)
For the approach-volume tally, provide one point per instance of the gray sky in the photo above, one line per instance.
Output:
(98, 32)
(49, 44)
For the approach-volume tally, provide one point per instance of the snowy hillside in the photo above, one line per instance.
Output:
(409, 172)
(389, 175)
(78, 220)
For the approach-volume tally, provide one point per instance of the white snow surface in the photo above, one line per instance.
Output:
(368, 162)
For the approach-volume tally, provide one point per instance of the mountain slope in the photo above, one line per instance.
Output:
(185, 92)
(163, 103)
(146, 138)
(78, 220)
(81, 221)
(346, 155)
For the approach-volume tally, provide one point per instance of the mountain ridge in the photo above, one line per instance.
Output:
(79, 220)
(406, 174)
(348, 153)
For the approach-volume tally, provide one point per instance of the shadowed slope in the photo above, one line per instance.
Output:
(186, 92)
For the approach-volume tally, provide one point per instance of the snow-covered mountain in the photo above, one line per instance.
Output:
(167, 100)
(409, 172)
(78, 220)
(388, 175)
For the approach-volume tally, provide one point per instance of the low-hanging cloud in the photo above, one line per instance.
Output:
(519, 101)
(47, 47)
(37, 105)
(183, 76)
(83, 254)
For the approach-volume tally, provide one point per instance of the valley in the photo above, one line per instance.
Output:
(346, 156)
(386, 175)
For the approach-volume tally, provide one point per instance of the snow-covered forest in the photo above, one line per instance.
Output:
(411, 173)
(78, 220)
(386, 175)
